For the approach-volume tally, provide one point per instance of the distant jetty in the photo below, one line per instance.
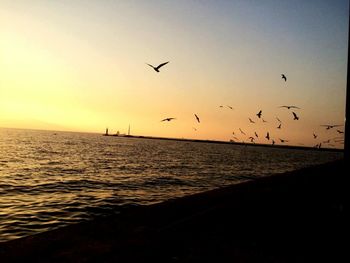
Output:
(226, 142)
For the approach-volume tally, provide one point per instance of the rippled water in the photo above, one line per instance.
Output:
(50, 179)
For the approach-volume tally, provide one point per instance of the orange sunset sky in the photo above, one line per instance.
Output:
(81, 66)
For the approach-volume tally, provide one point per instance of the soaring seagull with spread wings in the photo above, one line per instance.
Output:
(251, 121)
(197, 118)
(330, 126)
(159, 66)
(295, 116)
(289, 107)
(259, 114)
(168, 119)
(284, 77)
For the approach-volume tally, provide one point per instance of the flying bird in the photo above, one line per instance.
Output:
(289, 107)
(295, 116)
(159, 66)
(278, 120)
(241, 131)
(194, 128)
(251, 121)
(279, 126)
(282, 140)
(197, 118)
(256, 135)
(284, 77)
(330, 126)
(263, 120)
(251, 139)
(230, 107)
(259, 114)
(315, 136)
(273, 142)
(267, 136)
(340, 132)
(168, 119)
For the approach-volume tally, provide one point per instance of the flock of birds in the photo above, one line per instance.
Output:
(252, 139)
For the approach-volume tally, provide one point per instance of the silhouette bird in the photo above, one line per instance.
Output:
(330, 126)
(284, 77)
(340, 132)
(282, 140)
(295, 116)
(241, 131)
(221, 106)
(273, 142)
(259, 114)
(197, 118)
(263, 120)
(267, 136)
(278, 120)
(289, 107)
(230, 107)
(168, 119)
(251, 121)
(279, 126)
(251, 139)
(315, 136)
(159, 66)
(256, 135)
(194, 128)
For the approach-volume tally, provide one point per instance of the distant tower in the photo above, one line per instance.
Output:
(129, 130)
(106, 131)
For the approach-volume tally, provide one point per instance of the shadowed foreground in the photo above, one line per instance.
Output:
(299, 216)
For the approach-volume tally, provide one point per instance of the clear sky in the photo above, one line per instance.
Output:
(81, 66)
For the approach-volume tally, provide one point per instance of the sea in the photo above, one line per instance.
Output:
(50, 179)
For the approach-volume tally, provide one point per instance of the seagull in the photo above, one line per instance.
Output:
(251, 139)
(268, 136)
(295, 116)
(259, 114)
(264, 120)
(284, 77)
(197, 117)
(278, 120)
(273, 142)
(315, 136)
(282, 140)
(241, 131)
(168, 119)
(279, 126)
(233, 133)
(221, 106)
(330, 126)
(289, 107)
(159, 66)
(340, 132)
(251, 121)
(230, 107)
(256, 135)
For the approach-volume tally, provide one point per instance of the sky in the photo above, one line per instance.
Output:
(81, 66)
